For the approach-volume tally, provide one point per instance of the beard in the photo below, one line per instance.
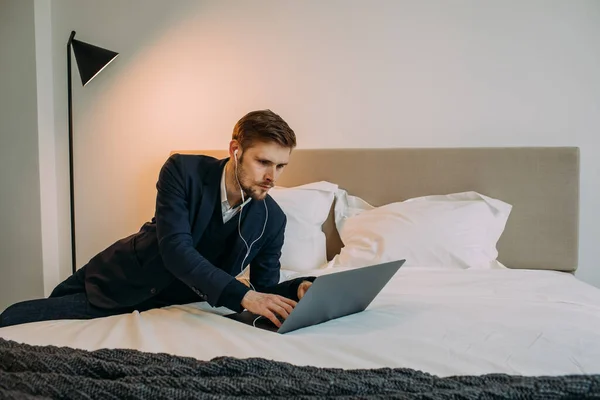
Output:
(251, 189)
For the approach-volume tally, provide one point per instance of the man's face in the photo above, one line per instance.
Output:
(259, 168)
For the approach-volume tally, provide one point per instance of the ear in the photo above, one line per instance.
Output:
(234, 148)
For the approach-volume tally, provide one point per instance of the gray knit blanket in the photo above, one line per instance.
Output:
(49, 372)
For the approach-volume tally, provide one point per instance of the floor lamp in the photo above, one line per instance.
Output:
(90, 61)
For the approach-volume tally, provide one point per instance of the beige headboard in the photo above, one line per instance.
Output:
(542, 184)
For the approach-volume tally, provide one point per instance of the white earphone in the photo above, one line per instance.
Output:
(248, 248)
(236, 176)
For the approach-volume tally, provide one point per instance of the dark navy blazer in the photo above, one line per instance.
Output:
(138, 267)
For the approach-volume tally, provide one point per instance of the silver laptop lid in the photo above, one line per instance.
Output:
(339, 294)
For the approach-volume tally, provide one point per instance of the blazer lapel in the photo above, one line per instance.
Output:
(211, 189)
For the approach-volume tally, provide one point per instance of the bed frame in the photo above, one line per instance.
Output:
(541, 183)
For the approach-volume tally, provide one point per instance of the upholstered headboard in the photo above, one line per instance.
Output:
(541, 183)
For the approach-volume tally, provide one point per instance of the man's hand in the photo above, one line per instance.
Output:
(302, 288)
(268, 305)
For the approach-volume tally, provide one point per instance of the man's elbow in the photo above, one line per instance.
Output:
(174, 250)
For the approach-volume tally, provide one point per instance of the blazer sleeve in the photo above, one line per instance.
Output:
(175, 242)
(265, 267)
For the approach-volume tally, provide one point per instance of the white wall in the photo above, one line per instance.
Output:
(343, 73)
(21, 275)
(47, 149)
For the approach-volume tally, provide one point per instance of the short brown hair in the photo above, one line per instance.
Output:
(263, 126)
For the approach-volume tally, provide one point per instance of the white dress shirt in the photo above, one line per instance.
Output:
(226, 210)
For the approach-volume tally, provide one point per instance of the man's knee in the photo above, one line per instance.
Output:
(10, 315)
(72, 285)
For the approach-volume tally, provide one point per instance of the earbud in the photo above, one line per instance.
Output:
(235, 155)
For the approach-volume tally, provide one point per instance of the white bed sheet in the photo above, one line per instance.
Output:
(445, 322)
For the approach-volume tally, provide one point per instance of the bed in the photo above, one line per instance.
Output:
(524, 326)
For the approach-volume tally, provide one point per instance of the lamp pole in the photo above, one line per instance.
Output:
(71, 179)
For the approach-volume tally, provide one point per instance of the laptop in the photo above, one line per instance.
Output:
(330, 296)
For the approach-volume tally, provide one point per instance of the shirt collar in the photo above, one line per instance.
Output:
(224, 187)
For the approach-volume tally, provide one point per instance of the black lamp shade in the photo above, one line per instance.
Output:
(91, 59)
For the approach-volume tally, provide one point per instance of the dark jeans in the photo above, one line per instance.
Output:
(67, 301)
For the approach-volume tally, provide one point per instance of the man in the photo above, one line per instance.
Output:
(212, 218)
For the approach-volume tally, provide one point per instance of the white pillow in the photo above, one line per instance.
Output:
(458, 230)
(347, 206)
(306, 208)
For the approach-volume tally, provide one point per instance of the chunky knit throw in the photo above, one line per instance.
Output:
(49, 372)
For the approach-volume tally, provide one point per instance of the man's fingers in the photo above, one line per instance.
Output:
(280, 310)
(280, 307)
(284, 304)
(302, 291)
(272, 318)
(287, 301)
(306, 286)
(270, 306)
